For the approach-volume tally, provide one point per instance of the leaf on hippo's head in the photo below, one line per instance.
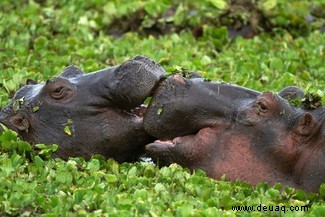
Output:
(17, 104)
(35, 108)
(67, 130)
(67, 125)
(69, 122)
(159, 111)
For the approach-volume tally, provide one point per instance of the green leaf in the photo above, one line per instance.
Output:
(69, 122)
(160, 187)
(322, 190)
(38, 161)
(319, 210)
(185, 210)
(159, 110)
(268, 5)
(35, 108)
(276, 63)
(111, 178)
(7, 168)
(17, 104)
(67, 130)
(220, 4)
(273, 193)
(79, 195)
(133, 171)
(46, 150)
(140, 194)
(93, 165)
(64, 177)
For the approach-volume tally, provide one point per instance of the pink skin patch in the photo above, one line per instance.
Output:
(179, 79)
(169, 142)
(166, 142)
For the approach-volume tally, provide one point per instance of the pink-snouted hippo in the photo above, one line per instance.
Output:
(87, 114)
(243, 134)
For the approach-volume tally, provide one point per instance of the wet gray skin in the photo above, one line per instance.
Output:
(86, 114)
(262, 138)
(182, 106)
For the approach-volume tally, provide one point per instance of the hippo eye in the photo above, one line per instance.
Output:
(59, 88)
(261, 106)
(59, 92)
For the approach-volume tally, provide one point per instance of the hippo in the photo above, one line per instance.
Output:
(86, 114)
(245, 135)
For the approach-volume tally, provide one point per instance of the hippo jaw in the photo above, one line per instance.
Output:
(162, 151)
(189, 151)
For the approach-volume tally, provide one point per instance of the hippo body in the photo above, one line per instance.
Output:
(262, 137)
(87, 114)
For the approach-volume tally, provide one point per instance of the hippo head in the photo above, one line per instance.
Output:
(182, 106)
(264, 139)
(86, 114)
(293, 139)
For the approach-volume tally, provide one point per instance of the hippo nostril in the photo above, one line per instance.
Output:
(177, 141)
(179, 79)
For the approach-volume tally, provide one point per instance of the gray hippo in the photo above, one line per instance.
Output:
(243, 134)
(87, 114)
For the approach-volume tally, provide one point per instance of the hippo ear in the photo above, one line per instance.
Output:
(20, 122)
(307, 125)
(195, 75)
(31, 82)
(291, 92)
(71, 72)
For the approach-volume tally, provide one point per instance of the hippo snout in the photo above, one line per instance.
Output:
(135, 80)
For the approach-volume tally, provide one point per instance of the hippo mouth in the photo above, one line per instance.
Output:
(161, 152)
(161, 146)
